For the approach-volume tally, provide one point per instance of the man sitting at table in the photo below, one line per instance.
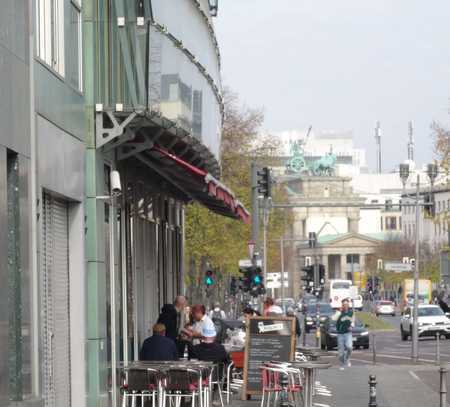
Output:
(158, 347)
(208, 350)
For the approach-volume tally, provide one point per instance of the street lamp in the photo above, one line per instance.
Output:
(432, 172)
(213, 7)
(404, 173)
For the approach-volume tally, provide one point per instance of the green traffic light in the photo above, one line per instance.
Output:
(257, 280)
(209, 281)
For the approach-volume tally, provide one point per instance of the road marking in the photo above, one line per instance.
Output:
(384, 355)
(414, 375)
(321, 405)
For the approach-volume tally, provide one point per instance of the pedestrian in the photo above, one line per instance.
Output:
(298, 330)
(444, 306)
(199, 318)
(217, 312)
(270, 309)
(158, 347)
(248, 311)
(345, 321)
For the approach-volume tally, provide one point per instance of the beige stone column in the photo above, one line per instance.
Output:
(343, 270)
(325, 263)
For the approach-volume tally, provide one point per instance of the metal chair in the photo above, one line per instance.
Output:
(234, 381)
(216, 378)
(183, 383)
(140, 384)
(280, 380)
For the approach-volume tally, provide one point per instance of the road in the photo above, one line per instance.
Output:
(390, 351)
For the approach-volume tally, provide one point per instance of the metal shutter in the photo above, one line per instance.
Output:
(55, 302)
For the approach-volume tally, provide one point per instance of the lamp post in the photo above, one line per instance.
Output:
(213, 7)
(432, 172)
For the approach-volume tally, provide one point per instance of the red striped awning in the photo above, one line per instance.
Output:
(203, 187)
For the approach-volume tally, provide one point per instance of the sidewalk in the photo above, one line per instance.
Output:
(397, 386)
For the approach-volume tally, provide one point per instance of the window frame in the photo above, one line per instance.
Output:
(50, 35)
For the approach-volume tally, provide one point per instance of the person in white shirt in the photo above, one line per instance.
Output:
(199, 319)
(271, 309)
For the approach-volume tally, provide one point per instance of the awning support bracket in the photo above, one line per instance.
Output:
(104, 134)
(133, 148)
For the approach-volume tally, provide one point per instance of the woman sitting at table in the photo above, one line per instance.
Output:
(158, 347)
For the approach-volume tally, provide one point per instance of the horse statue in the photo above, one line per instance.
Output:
(324, 166)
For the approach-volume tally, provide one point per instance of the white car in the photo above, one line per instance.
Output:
(431, 322)
(358, 302)
(384, 308)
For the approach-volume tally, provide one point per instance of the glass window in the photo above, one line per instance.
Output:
(50, 33)
(430, 311)
(74, 66)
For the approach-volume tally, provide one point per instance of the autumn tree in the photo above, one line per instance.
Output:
(215, 241)
(441, 138)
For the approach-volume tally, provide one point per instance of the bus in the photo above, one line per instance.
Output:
(336, 291)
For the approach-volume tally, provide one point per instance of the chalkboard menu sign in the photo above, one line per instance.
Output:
(267, 338)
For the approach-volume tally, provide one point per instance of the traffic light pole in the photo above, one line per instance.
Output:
(282, 268)
(415, 337)
(255, 205)
(265, 224)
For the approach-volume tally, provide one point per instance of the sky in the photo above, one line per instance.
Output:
(342, 65)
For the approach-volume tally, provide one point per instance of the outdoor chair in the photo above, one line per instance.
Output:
(183, 383)
(140, 384)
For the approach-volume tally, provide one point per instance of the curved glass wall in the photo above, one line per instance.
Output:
(148, 67)
(191, 25)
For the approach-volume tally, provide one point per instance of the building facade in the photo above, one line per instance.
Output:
(112, 117)
(433, 229)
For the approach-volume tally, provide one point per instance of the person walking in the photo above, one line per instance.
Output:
(298, 330)
(158, 347)
(217, 312)
(345, 320)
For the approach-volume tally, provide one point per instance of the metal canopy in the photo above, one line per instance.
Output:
(134, 132)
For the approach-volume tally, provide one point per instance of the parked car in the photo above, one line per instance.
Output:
(384, 308)
(432, 321)
(358, 302)
(328, 335)
(325, 311)
(305, 300)
(285, 303)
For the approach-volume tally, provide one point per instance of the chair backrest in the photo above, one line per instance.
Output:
(181, 379)
(141, 380)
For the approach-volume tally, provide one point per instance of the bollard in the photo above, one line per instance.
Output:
(443, 387)
(372, 391)
(438, 349)
(374, 350)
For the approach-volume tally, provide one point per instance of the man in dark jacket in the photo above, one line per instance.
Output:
(172, 316)
(158, 347)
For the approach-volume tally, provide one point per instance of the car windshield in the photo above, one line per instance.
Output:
(342, 285)
(385, 303)
(323, 309)
(411, 297)
(430, 311)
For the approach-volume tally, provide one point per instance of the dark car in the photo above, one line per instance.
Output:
(328, 335)
(305, 301)
(325, 311)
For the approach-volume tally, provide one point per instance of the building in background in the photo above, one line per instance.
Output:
(433, 229)
(94, 91)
